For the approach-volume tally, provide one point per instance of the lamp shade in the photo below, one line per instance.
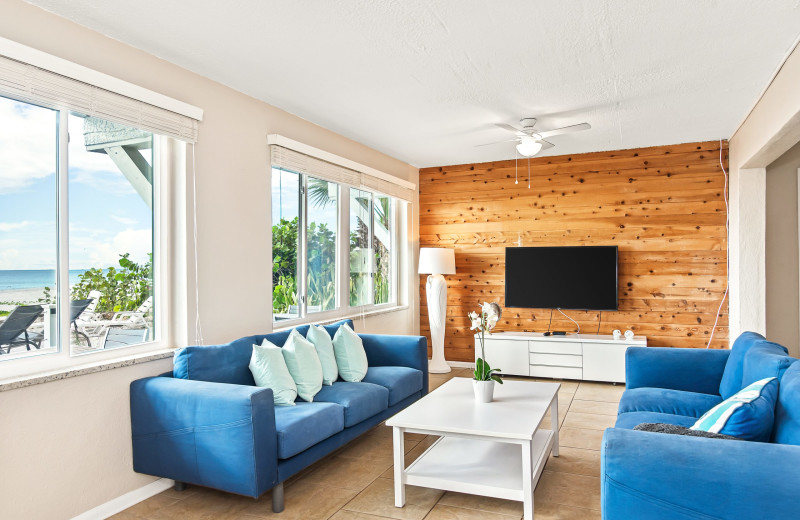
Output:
(437, 260)
(528, 147)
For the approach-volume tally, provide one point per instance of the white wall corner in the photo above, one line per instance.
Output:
(747, 277)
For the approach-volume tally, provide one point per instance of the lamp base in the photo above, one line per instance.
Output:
(438, 366)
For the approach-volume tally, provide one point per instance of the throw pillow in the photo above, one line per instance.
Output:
(324, 345)
(303, 364)
(674, 429)
(269, 370)
(350, 356)
(748, 414)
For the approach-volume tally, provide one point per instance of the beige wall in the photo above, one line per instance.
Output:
(770, 130)
(782, 267)
(66, 445)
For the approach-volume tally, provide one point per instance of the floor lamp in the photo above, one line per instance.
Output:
(435, 262)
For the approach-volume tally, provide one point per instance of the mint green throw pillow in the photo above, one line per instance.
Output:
(269, 370)
(350, 356)
(303, 364)
(322, 342)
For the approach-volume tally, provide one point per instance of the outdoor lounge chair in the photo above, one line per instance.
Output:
(76, 308)
(14, 331)
(119, 337)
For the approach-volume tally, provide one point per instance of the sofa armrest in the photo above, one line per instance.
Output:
(212, 434)
(690, 369)
(398, 351)
(651, 476)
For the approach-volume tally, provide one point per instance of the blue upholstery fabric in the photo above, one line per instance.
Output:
(398, 351)
(676, 402)
(732, 376)
(289, 467)
(690, 369)
(400, 381)
(301, 426)
(360, 400)
(228, 363)
(654, 476)
(751, 421)
(787, 410)
(211, 434)
(209, 426)
(630, 420)
(763, 360)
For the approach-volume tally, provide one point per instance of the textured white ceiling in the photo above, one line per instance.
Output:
(424, 80)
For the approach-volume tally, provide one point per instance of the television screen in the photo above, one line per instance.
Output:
(579, 277)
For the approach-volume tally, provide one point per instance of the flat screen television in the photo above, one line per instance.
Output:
(571, 277)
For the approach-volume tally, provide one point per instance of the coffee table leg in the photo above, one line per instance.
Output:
(554, 417)
(399, 467)
(527, 480)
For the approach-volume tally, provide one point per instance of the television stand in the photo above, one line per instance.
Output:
(584, 357)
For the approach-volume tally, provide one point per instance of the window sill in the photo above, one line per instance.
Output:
(80, 370)
(353, 316)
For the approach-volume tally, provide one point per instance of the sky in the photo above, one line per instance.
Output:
(106, 215)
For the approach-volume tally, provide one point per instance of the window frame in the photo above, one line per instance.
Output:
(61, 356)
(343, 308)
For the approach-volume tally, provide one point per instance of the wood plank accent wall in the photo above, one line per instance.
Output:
(663, 206)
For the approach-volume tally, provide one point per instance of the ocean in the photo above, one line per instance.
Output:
(34, 278)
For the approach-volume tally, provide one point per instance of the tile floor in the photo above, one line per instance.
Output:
(355, 483)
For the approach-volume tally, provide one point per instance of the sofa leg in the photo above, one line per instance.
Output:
(180, 486)
(277, 498)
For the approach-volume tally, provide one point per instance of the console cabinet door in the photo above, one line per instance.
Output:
(510, 356)
(604, 362)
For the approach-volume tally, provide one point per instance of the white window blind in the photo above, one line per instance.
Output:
(41, 87)
(301, 163)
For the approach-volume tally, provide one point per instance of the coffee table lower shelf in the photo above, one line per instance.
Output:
(478, 466)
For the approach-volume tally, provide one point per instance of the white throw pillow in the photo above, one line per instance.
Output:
(269, 370)
(350, 355)
(319, 336)
(303, 364)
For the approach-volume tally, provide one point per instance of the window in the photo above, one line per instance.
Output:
(305, 214)
(316, 242)
(97, 197)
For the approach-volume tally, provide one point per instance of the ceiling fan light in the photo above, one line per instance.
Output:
(528, 147)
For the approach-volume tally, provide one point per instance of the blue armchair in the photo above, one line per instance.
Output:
(207, 423)
(654, 476)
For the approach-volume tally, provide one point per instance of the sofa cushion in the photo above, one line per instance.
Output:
(763, 360)
(301, 426)
(269, 370)
(360, 400)
(351, 359)
(676, 402)
(749, 414)
(787, 409)
(400, 381)
(228, 363)
(732, 376)
(630, 420)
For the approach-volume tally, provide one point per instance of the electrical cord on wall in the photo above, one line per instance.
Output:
(570, 319)
(727, 249)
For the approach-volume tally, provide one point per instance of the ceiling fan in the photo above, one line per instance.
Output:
(531, 141)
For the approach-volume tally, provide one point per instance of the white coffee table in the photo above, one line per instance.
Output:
(493, 449)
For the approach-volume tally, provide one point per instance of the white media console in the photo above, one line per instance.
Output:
(587, 357)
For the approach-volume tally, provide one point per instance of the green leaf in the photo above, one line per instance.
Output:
(497, 378)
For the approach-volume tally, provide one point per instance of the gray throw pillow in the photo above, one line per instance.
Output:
(680, 430)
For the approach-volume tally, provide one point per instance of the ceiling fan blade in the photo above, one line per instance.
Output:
(497, 142)
(565, 130)
(510, 128)
(546, 144)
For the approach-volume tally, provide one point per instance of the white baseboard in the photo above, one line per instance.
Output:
(121, 503)
(461, 364)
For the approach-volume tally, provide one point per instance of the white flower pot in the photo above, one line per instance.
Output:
(484, 391)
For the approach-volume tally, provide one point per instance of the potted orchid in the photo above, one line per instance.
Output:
(484, 377)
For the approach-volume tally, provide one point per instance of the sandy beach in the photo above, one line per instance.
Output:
(13, 297)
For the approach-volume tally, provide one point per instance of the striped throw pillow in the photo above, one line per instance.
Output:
(748, 414)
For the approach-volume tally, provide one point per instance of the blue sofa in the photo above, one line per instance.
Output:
(654, 476)
(207, 423)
